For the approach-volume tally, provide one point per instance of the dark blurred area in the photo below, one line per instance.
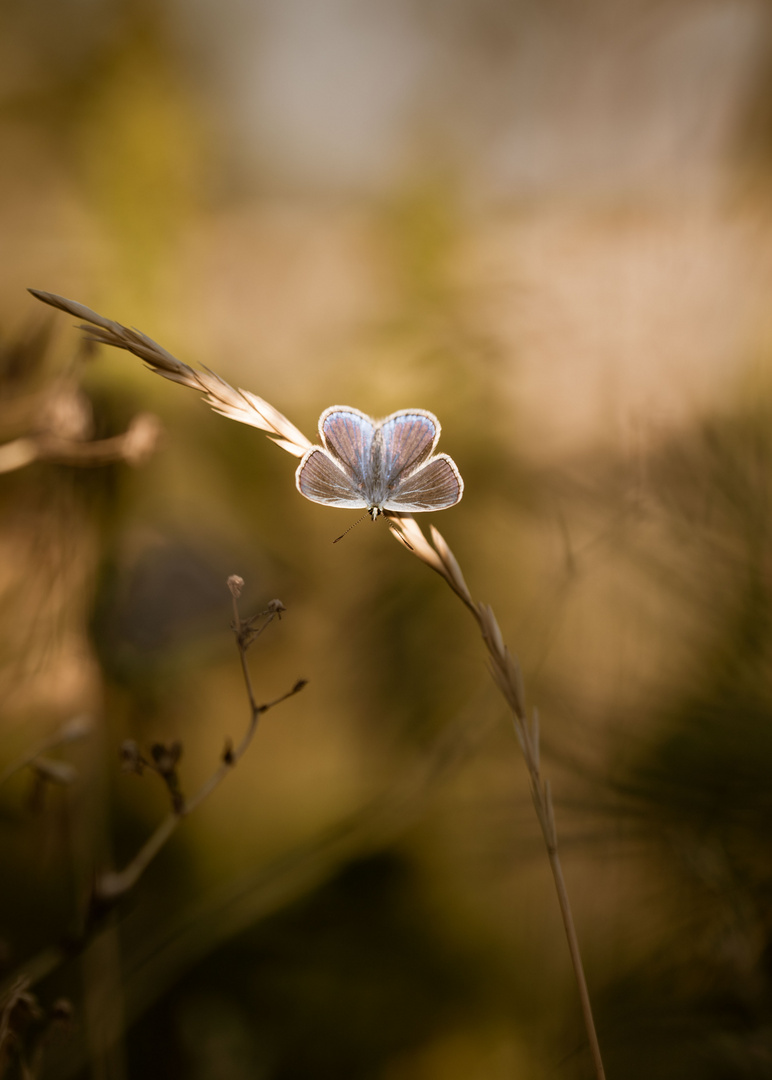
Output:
(547, 223)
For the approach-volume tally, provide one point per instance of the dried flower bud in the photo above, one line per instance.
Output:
(166, 756)
(131, 759)
(235, 584)
(276, 607)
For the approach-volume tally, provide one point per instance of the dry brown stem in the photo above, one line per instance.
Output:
(506, 673)
(112, 885)
(239, 405)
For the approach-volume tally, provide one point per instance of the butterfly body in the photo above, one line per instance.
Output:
(379, 465)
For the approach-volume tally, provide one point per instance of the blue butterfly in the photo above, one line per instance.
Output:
(379, 465)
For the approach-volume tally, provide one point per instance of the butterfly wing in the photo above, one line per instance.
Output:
(434, 486)
(348, 436)
(385, 465)
(320, 478)
(406, 439)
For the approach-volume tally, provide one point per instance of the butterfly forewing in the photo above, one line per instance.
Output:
(348, 435)
(321, 480)
(406, 439)
(435, 486)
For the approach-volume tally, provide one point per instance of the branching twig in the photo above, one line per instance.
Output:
(112, 885)
(507, 676)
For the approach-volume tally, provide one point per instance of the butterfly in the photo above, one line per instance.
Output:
(379, 465)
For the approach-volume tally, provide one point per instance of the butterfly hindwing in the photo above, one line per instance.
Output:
(322, 480)
(434, 486)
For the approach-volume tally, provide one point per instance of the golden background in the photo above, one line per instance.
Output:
(549, 225)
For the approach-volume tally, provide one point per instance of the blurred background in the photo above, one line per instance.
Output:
(550, 225)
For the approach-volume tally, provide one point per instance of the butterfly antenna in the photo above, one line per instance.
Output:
(348, 530)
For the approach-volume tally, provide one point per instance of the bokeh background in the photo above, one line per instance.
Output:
(549, 224)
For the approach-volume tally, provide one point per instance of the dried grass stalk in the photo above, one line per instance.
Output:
(506, 673)
(240, 405)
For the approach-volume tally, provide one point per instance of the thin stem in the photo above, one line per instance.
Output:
(239, 631)
(112, 885)
(576, 960)
(506, 674)
(542, 799)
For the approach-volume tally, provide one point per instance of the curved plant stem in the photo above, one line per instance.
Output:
(505, 671)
